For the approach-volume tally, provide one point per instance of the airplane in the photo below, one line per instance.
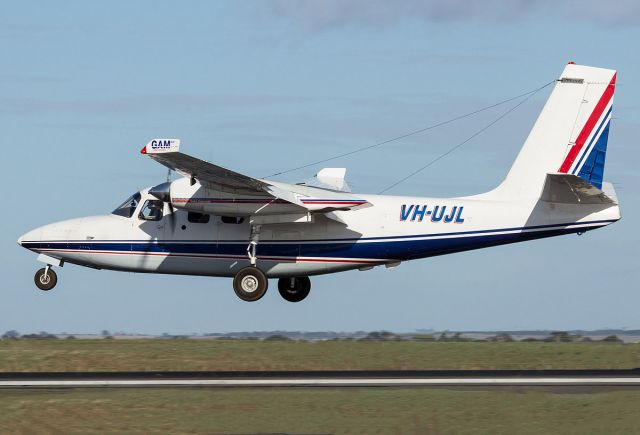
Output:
(216, 222)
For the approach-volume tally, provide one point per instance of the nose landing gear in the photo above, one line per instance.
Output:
(46, 278)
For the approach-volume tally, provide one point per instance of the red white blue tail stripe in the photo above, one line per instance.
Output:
(587, 156)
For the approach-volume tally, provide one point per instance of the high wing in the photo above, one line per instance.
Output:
(209, 175)
(214, 177)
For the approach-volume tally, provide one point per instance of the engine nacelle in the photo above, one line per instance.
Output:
(197, 198)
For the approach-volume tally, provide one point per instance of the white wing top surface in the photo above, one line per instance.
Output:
(217, 178)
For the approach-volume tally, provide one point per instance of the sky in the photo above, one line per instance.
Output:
(261, 87)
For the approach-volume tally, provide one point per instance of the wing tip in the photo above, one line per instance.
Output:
(158, 146)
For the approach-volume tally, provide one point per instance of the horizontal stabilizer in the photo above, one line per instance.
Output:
(571, 189)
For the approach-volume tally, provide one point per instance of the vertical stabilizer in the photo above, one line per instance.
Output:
(570, 135)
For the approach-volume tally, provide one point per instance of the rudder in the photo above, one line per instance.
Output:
(570, 135)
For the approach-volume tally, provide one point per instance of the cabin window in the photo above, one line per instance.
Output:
(232, 219)
(198, 218)
(151, 210)
(127, 208)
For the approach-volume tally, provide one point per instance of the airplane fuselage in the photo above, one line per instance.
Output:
(395, 229)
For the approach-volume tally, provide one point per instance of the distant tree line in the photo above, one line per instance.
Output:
(457, 337)
(446, 336)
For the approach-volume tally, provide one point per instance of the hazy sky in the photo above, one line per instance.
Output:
(263, 86)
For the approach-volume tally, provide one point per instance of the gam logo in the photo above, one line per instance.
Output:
(161, 144)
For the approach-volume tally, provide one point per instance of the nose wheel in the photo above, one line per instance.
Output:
(45, 278)
(294, 289)
(250, 284)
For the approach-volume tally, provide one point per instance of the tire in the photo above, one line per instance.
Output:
(45, 283)
(294, 289)
(250, 284)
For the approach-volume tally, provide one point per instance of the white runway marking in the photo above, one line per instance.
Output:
(373, 382)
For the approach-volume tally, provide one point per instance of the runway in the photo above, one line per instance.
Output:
(323, 379)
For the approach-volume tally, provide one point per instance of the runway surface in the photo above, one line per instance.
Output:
(408, 378)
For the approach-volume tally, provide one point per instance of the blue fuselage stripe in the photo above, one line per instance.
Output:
(426, 246)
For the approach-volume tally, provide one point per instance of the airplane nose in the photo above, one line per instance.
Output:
(31, 236)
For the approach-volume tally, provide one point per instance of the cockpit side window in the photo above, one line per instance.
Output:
(151, 210)
(127, 208)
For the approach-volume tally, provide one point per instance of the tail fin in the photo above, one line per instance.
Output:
(570, 135)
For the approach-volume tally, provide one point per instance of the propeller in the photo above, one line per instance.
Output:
(163, 193)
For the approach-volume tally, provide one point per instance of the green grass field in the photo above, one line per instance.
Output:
(150, 355)
(344, 411)
(330, 410)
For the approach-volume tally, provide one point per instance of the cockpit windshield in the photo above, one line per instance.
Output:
(128, 207)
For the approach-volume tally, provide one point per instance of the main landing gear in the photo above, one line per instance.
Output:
(46, 278)
(251, 283)
(294, 289)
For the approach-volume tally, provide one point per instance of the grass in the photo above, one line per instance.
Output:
(300, 410)
(150, 355)
(340, 411)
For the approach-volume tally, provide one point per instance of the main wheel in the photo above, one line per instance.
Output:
(45, 281)
(294, 289)
(250, 284)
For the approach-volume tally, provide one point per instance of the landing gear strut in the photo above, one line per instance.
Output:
(46, 278)
(294, 289)
(252, 249)
(250, 284)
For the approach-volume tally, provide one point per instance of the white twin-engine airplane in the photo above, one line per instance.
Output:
(216, 222)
